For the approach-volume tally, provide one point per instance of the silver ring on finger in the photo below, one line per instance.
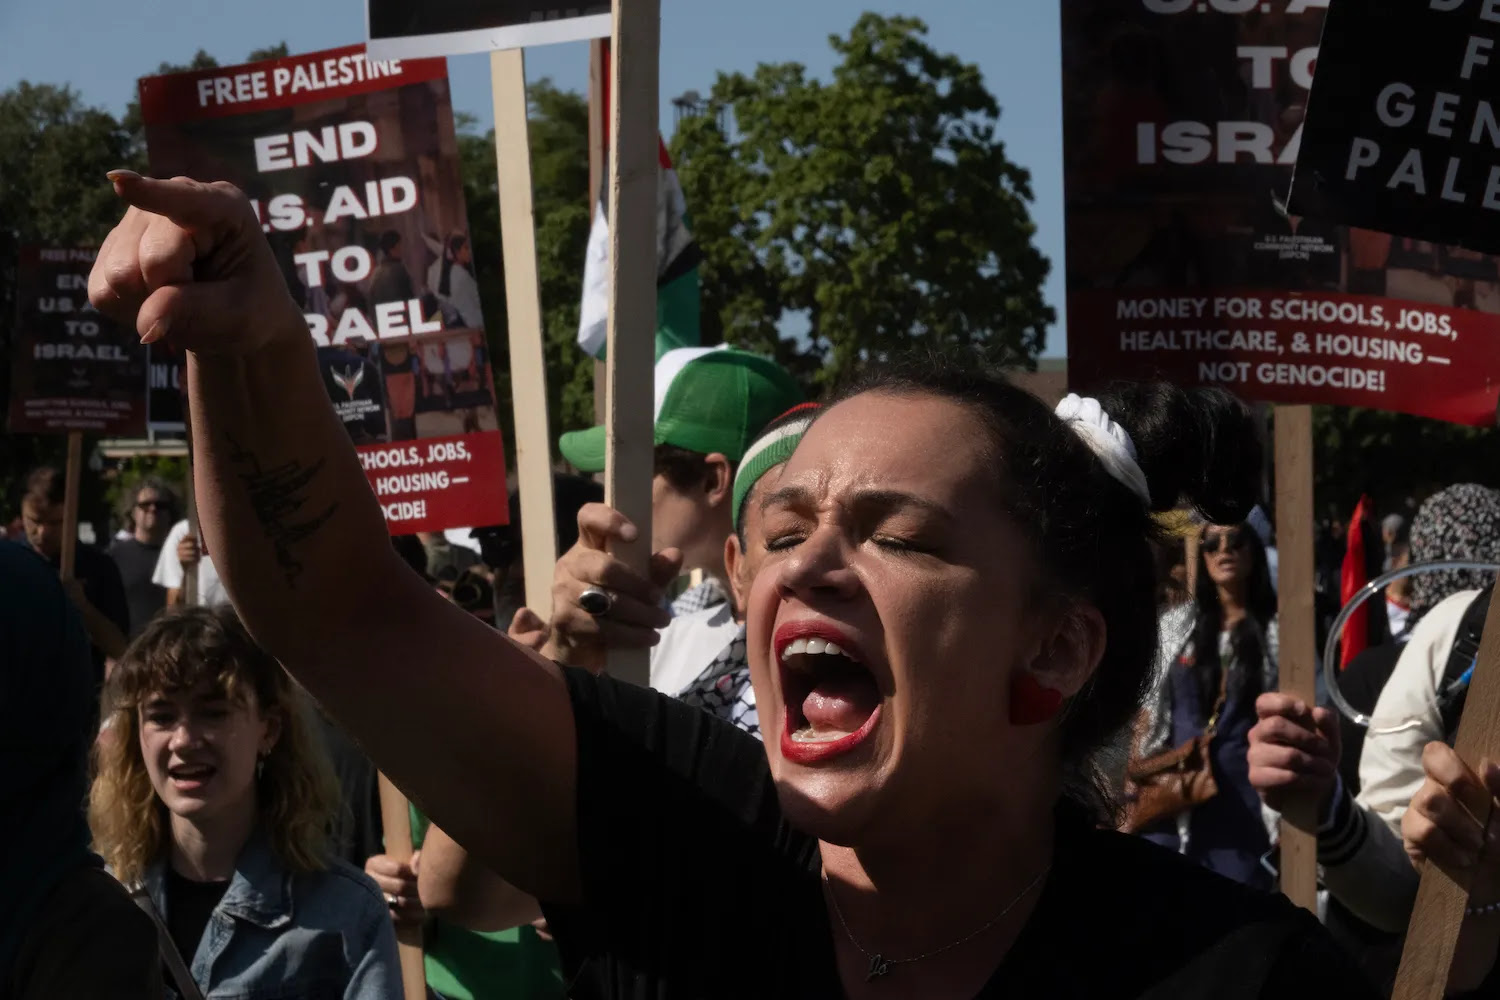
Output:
(392, 901)
(596, 601)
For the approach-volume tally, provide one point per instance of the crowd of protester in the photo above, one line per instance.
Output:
(946, 685)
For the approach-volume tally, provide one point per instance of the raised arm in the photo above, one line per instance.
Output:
(469, 724)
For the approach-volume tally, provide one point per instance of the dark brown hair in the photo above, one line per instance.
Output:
(1090, 534)
(45, 486)
(687, 471)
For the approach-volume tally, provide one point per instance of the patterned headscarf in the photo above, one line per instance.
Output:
(1461, 522)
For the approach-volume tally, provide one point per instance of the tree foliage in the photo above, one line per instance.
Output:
(558, 134)
(880, 206)
(1393, 456)
(54, 152)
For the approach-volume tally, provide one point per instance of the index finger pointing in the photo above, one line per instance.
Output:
(186, 202)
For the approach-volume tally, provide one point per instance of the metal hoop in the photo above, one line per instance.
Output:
(1369, 590)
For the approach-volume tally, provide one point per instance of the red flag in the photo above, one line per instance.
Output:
(1353, 577)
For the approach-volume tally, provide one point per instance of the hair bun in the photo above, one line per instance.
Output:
(1198, 445)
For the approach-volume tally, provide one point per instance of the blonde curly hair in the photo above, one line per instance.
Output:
(298, 794)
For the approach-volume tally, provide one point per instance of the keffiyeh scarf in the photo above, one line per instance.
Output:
(1461, 522)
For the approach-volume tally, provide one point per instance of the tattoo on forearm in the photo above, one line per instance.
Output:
(277, 496)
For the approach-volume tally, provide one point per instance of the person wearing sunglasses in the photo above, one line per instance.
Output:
(150, 510)
(1217, 654)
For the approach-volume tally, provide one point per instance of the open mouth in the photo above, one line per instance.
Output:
(190, 777)
(832, 700)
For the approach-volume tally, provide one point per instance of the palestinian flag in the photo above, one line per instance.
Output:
(677, 259)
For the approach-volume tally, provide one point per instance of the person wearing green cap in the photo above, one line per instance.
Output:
(723, 687)
(710, 405)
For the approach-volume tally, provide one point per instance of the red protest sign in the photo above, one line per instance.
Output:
(352, 165)
(72, 369)
(1182, 125)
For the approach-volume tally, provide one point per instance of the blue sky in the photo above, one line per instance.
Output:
(101, 47)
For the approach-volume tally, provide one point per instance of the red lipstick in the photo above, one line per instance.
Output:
(813, 629)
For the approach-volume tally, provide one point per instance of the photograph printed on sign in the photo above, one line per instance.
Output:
(352, 167)
(72, 369)
(410, 29)
(1182, 125)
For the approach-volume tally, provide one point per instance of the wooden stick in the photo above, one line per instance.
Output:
(523, 298)
(1192, 550)
(1438, 914)
(634, 158)
(190, 592)
(395, 818)
(598, 162)
(190, 595)
(1297, 623)
(72, 472)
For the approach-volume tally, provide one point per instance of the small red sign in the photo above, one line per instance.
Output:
(1285, 347)
(437, 483)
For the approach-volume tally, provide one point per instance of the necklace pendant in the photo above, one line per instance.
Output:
(878, 967)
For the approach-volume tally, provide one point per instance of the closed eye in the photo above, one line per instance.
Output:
(897, 544)
(783, 542)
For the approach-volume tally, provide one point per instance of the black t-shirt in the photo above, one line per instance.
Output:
(136, 562)
(189, 905)
(695, 886)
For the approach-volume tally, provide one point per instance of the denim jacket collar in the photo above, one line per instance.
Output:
(259, 891)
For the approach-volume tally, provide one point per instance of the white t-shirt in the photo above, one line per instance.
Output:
(688, 645)
(169, 570)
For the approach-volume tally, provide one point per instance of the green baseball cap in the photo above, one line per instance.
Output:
(708, 399)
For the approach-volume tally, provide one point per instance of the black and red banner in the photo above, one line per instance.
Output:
(352, 165)
(72, 369)
(1183, 120)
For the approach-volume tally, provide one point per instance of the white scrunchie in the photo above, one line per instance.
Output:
(1106, 439)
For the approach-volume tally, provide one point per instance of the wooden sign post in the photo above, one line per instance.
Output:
(631, 351)
(395, 820)
(598, 163)
(1297, 623)
(190, 593)
(528, 364)
(1192, 551)
(71, 474)
(1439, 911)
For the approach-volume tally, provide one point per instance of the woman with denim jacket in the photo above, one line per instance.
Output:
(213, 796)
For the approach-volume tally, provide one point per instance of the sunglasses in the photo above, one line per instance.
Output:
(1229, 540)
(153, 505)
